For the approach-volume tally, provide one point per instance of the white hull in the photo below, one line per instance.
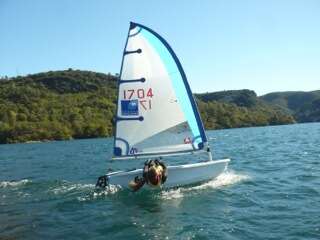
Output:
(177, 175)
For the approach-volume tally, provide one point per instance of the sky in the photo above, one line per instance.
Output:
(266, 46)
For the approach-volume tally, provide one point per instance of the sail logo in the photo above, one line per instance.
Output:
(144, 97)
(129, 107)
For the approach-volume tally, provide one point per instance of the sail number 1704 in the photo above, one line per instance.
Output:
(144, 96)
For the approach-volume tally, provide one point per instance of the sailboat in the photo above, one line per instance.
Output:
(157, 115)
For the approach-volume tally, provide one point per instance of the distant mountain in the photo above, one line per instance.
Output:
(57, 105)
(304, 106)
(241, 98)
(239, 108)
(81, 104)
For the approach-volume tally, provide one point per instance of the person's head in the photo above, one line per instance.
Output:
(155, 175)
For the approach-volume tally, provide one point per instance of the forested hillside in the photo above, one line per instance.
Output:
(57, 105)
(80, 104)
(304, 106)
(239, 108)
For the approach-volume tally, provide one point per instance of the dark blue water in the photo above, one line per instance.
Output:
(270, 191)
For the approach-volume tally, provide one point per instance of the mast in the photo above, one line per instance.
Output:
(118, 81)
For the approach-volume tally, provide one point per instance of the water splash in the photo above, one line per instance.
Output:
(110, 189)
(6, 184)
(97, 193)
(67, 187)
(82, 191)
(172, 194)
(225, 179)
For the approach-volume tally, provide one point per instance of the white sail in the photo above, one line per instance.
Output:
(156, 113)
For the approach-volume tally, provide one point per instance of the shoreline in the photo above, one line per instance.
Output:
(55, 140)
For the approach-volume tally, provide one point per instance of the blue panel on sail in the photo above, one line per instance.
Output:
(129, 107)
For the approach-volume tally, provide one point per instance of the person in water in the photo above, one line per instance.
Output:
(154, 174)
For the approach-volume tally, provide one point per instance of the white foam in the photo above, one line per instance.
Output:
(172, 194)
(225, 179)
(82, 199)
(24, 195)
(110, 189)
(88, 189)
(6, 184)
(68, 187)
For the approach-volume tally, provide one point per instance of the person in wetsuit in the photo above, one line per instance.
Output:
(154, 174)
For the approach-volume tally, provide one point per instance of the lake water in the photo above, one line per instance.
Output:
(271, 190)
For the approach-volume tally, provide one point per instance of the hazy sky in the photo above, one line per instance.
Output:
(261, 45)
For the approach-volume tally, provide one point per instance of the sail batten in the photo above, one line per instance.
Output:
(153, 90)
(158, 154)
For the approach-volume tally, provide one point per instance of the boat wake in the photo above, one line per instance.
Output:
(67, 187)
(110, 189)
(7, 184)
(99, 193)
(225, 179)
(90, 192)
